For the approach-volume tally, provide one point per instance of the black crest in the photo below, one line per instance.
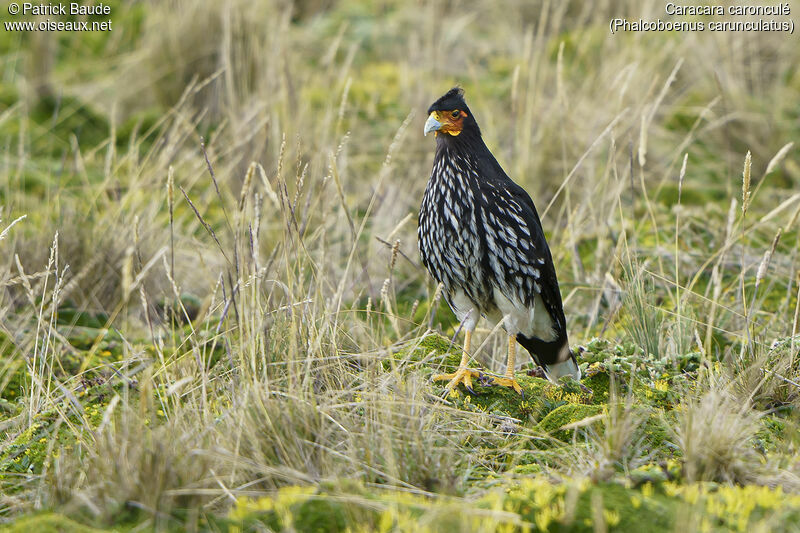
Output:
(453, 99)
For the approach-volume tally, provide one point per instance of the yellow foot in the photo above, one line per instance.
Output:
(507, 382)
(462, 375)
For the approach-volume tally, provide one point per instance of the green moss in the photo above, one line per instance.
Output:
(141, 127)
(740, 508)
(528, 469)
(65, 116)
(31, 449)
(565, 415)
(539, 397)
(624, 509)
(649, 473)
(545, 505)
(320, 516)
(504, 401)
(188, 307)
(657, 436)
(599, 382)
(299, 508)
(13, 373)
(434, 353)
(657, 394)
(656, 381)
(771, 434)
(537, 501)
(69, 314)
(668, 195)
(48, 523)
(8, 96)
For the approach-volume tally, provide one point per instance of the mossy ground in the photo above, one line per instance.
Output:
(50, 523)
(651, 497)
(532, 504)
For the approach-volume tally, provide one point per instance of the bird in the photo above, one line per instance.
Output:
(480, 236)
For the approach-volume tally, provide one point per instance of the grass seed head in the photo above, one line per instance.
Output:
(746, 183)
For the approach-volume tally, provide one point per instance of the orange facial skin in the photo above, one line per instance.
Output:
(452, 121)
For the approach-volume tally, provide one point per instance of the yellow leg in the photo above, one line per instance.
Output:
(508, 379)
(463, 374)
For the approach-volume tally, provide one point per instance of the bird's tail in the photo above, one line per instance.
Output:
(563, 360)
(567, 368)
(567, 365)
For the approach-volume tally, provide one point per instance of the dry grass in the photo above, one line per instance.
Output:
(266, 160)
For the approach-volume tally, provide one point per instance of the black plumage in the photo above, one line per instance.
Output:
(481, 237)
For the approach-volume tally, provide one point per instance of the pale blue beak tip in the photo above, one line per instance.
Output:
(431, 125)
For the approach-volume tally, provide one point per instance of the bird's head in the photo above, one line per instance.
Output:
(450, 115)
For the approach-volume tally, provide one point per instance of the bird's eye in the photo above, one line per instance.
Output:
(455, 113)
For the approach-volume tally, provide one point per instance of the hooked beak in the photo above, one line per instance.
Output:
(431, 124)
